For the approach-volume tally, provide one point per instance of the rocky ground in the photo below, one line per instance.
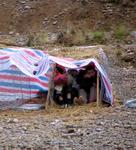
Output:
(25, 16)
(83, 128)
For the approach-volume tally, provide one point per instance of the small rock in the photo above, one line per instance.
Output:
(54, 23)
(98, 129)
(130, 103)
(55, 16)
(12, 120)
(27, 7)
(11, 32)
(68, 148)
(116, 125)
(22, 2)
(45, 19)
(22, 40)
(71, 131)
(133, 33)
(15, 120)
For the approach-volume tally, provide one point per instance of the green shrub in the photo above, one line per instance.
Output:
(98, 36)
(121, 32)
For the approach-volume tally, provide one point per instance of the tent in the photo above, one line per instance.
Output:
(25, 73)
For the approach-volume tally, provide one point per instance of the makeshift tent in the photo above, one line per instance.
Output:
(25, 73)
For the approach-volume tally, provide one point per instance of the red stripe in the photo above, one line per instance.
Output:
(7, 90)
(21, 78)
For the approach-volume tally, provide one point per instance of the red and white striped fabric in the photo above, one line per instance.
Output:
(25, 72)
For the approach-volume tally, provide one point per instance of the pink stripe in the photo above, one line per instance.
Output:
(27, 79)
(4, 57)
(31, 53)
(7, 90)
(107, 84)
(26, 58)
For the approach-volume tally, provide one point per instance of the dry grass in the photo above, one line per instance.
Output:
(77, 52)
(55, 112)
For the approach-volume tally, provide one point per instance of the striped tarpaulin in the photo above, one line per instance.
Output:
(25, 72)
(23, 75)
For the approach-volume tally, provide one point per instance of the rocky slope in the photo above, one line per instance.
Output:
(32, 15)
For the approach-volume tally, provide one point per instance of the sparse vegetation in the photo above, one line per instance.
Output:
(121, 32)
(98, 36)
(79, 37)
(37, 39)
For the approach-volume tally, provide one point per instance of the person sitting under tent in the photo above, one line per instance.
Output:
(87, 80)
(60, 81)
(66, 88)
(72, 86)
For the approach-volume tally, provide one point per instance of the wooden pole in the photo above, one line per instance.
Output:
(98, 90)
(48, 100)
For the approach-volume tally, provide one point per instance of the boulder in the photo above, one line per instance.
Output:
(130, 103)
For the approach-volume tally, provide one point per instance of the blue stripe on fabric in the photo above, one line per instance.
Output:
(39, 53)
(23, 86)
(44, 78)
(9, 50)
(17, 72)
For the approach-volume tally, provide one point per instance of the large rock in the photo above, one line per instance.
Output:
(14, 40)
(130, 103)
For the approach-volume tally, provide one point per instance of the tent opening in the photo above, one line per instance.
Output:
(76, 86)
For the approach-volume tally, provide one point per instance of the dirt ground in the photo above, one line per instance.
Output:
(81, 127)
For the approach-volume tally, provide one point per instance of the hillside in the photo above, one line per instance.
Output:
(68, 22)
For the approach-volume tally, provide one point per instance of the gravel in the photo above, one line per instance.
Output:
(69, 129)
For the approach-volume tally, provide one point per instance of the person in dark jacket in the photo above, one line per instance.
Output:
(87, 80)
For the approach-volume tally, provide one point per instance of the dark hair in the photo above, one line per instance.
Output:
(90, 67)
(60, 70)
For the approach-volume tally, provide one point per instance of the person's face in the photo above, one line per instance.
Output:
(90, 73)
(74, 73)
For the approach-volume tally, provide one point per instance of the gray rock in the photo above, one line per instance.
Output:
(133, 33)
(53, 37)
(22, 40)
(130, 103)
(12, 120)
(54, 23)
(98, 129)
(11, 32)
(22, 2)
(27, 7)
